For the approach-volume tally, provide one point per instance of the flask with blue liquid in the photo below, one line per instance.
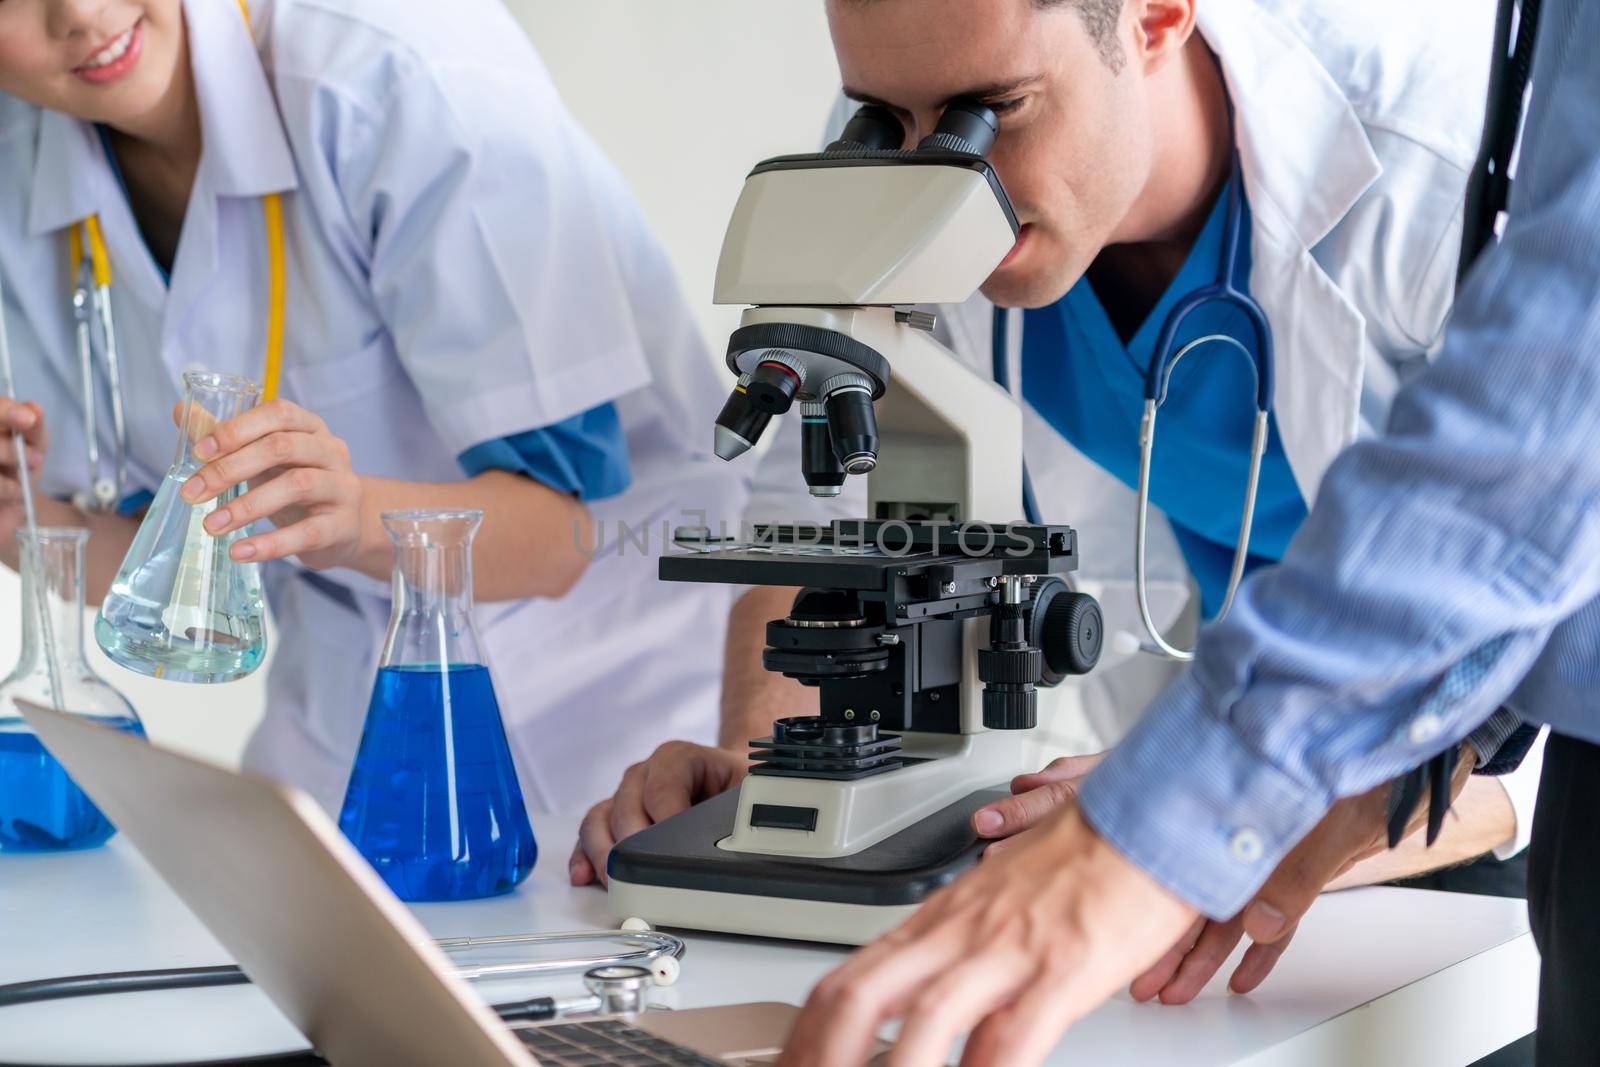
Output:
(41, 808)
(433, 801)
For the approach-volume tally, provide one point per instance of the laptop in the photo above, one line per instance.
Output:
(273, 879)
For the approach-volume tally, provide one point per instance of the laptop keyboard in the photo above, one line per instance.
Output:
(607, 1043)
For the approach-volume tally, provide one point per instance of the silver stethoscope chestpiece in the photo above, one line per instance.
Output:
(620, 987)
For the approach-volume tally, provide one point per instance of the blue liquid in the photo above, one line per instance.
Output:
(433, 802)
(41, 808)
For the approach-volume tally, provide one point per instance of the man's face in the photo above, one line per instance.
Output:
(1074, 147)
(108, 61)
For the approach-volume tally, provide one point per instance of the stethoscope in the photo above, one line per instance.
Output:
(1225, 290)
(91, 313)
(639, 959)
(91, 306)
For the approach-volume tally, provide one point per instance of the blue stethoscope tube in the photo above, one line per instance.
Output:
(1227, 291)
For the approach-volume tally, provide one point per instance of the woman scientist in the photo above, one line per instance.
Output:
(473, 314)
(1346, 133)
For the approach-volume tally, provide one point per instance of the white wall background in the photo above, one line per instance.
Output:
(684, 96)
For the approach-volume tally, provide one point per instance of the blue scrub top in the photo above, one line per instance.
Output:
(1080, 376)
(585, 456)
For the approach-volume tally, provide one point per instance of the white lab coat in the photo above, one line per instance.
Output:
(463, 264)
(1357, 123)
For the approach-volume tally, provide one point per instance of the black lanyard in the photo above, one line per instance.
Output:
(1489, 186)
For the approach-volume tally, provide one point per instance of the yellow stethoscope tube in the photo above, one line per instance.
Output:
(277, 276)
(91, 300)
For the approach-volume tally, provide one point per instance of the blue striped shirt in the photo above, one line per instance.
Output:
(1448, 567)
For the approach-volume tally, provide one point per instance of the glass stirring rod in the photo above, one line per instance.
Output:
(31, 516)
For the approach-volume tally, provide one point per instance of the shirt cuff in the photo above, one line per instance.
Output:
(133, 505)
(585, 456)
(1496, 730)
(1188, 802)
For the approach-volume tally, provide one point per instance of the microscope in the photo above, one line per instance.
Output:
(929, 626)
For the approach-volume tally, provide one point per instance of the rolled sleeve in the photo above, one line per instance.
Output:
(1487, 739)
(585, 456)
(1187, 800)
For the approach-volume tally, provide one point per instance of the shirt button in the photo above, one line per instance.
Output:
(1246, 846)
(1425, 728)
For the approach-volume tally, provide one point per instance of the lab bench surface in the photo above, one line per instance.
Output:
(1374, 976)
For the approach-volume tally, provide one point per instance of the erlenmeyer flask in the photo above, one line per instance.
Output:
(180, 607)
(433, 801)
(41, 809)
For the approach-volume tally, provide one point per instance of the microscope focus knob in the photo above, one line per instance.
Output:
(1011, 709)
(1010, 666)
(1068, 628)
(1010, 701)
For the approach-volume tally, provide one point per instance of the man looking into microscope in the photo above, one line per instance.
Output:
(1124, 126)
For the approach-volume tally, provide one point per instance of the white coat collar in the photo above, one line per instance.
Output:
(1301, 143)
(70, 178)
(246, 151)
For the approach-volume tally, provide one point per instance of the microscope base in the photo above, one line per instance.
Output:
(673, 874)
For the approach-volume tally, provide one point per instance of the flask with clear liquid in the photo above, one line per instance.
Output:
(180, 607)
(433, 801)
(41, 808)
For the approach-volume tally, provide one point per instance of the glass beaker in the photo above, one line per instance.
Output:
(180, 607)
(41, 808)
(433, 801)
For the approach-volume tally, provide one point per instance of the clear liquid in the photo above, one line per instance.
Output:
(433, 802)
(41, 807)
(179, 607)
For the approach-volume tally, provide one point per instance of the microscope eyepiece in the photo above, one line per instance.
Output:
(852, 423)
(775, 381)
(966, 126)
(740, 423)
(872, 127)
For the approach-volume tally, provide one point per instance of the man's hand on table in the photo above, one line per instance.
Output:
(677, 775)
(1354, 829)
(1029, 941)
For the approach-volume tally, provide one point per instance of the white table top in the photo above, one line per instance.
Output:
(1438, 978)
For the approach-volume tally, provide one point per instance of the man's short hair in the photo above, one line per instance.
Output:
(1100, 18)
